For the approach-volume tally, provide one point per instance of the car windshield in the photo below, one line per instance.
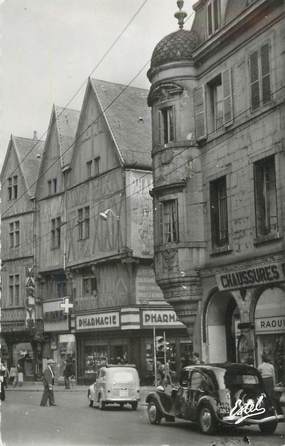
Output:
(124, 376)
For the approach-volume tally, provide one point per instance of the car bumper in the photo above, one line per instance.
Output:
(235, 420)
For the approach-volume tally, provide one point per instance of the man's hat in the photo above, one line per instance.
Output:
(50, 361)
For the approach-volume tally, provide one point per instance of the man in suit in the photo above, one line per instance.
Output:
(48, 382)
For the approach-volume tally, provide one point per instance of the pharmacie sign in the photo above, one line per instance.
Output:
(257, 275)
(274, 324)
(98, 321)
(156, 318)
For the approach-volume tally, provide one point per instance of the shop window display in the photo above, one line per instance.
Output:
(95, 357)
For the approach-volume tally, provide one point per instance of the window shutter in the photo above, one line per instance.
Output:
(265, 73)
(200, 112)
(254, 80)
(228, 98)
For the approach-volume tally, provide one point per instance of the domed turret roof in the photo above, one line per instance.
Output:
(175, 47)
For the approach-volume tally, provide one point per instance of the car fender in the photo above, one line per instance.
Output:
(210, 401)
(154, 396)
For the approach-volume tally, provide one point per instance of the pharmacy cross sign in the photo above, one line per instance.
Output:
(66, 305)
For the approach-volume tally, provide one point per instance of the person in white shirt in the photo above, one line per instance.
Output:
(267, 372)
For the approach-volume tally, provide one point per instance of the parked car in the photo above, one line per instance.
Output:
(116, 384)
(212, 395)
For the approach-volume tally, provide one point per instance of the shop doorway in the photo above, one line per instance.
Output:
(270, 329)
(222, 318)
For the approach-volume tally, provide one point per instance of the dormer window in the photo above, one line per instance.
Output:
(214, 16)
(166, 125)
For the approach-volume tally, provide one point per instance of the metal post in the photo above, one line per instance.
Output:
(164, 348)
(118, 231)
(154, 358)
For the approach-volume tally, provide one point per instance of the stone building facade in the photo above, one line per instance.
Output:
(217, 99)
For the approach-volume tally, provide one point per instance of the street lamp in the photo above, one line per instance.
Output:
(104, 215)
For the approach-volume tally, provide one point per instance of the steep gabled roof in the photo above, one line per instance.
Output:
(29, 153)
(66, 121)
(128, 118)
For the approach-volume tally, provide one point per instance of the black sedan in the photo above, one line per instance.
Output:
(212, 395)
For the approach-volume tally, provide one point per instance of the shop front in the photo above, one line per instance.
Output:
(126, 335)
(59, 342)
(270, 329)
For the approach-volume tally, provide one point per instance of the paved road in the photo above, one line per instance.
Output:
(72, 423)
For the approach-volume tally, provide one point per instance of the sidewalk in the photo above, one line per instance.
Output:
(37, 386)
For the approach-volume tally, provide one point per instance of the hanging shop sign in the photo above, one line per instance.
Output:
(257, 275)
(54, 317)
(274, 324)
(98, 321)
(155, 318)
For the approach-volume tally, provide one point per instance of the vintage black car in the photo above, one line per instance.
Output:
(212, 395)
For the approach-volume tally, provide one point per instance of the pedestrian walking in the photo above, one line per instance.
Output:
(68, 372)
(2, 379)
(267, 372)
(48, 382)
(20, 374)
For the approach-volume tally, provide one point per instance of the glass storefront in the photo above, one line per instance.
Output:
(97, 354)
(270, 330)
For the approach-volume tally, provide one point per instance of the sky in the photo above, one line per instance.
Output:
(48, 48)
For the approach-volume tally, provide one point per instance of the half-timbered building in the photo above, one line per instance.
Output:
(21, 317)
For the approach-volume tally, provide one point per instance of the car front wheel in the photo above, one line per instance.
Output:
(268, 428)
(206, 420)
(154, 414)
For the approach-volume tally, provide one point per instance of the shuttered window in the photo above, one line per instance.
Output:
(220, 100)
(259, 75)
(213, 16)
(265, 196)
(200, 112)
(219, 212)
(166, 125)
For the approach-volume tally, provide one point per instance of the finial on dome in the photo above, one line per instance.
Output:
(180, 15)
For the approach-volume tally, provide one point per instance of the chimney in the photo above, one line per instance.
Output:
(35, 137)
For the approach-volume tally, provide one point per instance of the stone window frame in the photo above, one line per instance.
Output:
(277, 151)
(227, 249)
